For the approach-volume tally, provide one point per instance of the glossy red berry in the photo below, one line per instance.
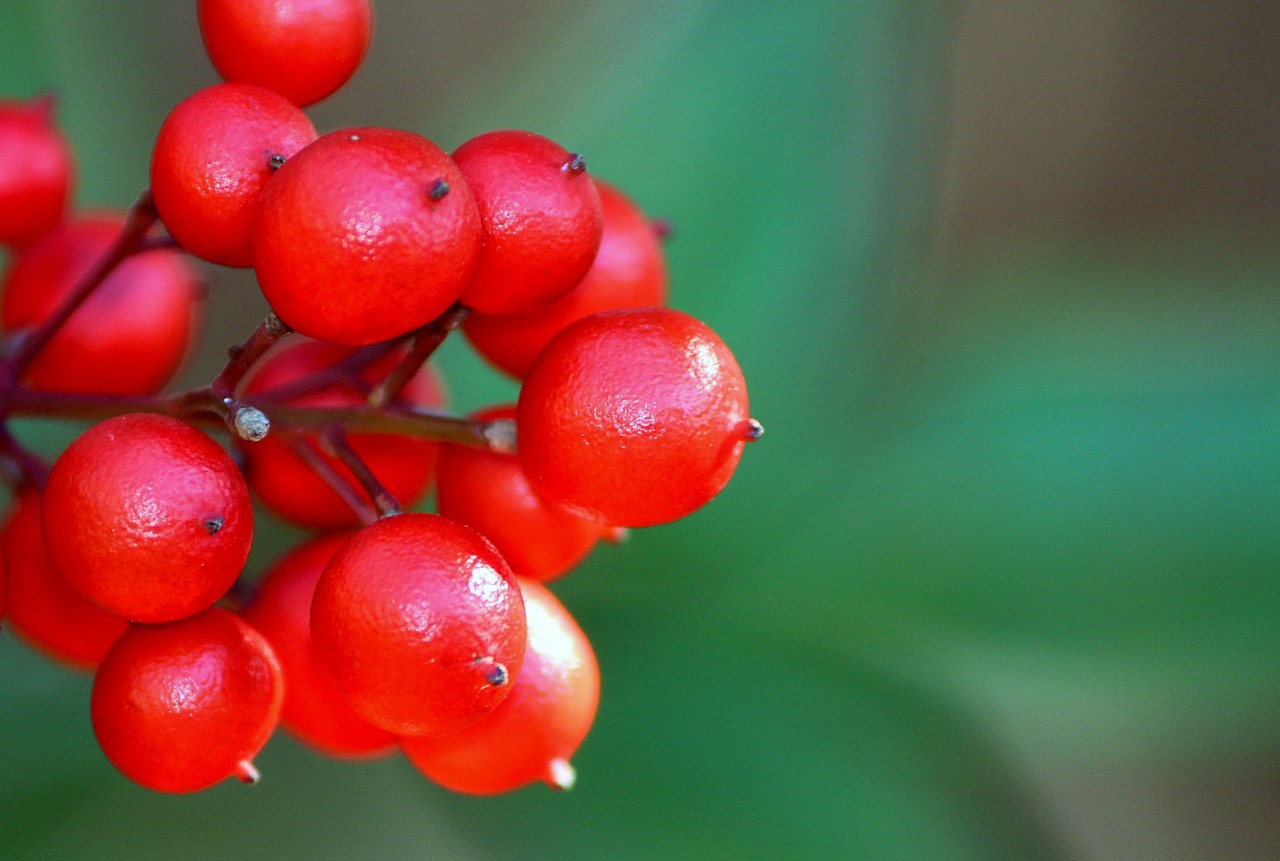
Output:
(633, 417)
(420, 624)
(488, 491)
(314, 710)
(289, 486)
(182, 706)
(129, 337)
(147, 517)
(36, 171)
(541, 217)
(365, 235)
(628, 271)
(532, 734)
(214, 152)
(42, 606)
(302, 49)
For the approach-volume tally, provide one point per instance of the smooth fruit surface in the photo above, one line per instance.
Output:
(365, 235)
(532, 734)
(182, 706)
(420, 624)
(36, 171)
(147, 517)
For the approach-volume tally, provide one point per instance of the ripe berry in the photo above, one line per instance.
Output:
(182, 706)
(147, 517)
(420, 624)
(314, 710)
(629, 271)
(533, 732)
(289, 487)
(36, 172)
(365, 235)
(43, 607)
(633, 417)
(302, 49)
(212, 156)
(488, 491)
(129, 337)
(541, 218)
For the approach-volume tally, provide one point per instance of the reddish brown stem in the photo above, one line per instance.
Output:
(307, 452)
(425, 343)
(241, 359)
(334, 443)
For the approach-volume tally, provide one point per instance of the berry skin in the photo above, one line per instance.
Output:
(541, 217)
(43, 607)
(420, 624)
(212, 156)
(303, 49)
(365, 235)
(634, 417)
(629, 271)
(488, 491)
(314, 710)
(129, 337)
(290, 488)
(532, 733)
(36, 172)
(182, 706)
(147, 517)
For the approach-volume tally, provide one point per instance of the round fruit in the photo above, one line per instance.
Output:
(302, 49)
(314, 710)
(420, 624)
(633, 417)
(541, 218)
(129, 337)
(36, 172)
(42, 606)
(147, 517)
(532, 734)
(629, 270)
(365, 235)
(214, 152)
(182, 706)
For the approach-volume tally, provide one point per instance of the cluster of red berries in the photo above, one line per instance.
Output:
(428, 632)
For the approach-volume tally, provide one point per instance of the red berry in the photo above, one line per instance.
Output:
(214, 152)
(629, 270)
(147, 517)
(303, 49)
(129, 337)
(289, 487)
(533, 732)
(182, 706)
(420, 624)
(633, 417)
(43, 607)
(365, 235)
(541, 217)
(36, 171)
(314, 710)
(488, 491)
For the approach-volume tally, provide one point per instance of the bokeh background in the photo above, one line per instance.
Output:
(1002, 581)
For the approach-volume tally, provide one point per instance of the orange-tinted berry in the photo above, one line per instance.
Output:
(42, 606)
(214, 152)
(633, 417)
(532, 734)
(541, 218)
(629, 271)
(302, 49)
(147, 517)
(129, 337)
(182, 706)
(314, 711)
(420, 624)
(36, 171)
(365, 235)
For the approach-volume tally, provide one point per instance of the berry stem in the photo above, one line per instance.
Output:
(425, 343)
(31, 469)
(334, 443)
(307, 452)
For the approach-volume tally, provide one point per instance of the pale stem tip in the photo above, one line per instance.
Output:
(560, 774)
(617, 534)
(247, 773)
(500, 434)
(251, 424)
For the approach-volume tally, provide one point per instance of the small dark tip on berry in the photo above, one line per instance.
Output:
(662, 228)
(276, 161)
(495, 673)
(438, 189)
(576, 164)
(751, 430)
(45, 106)
(212, 524)
(247, 773)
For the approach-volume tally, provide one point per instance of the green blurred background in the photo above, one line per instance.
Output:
(1003, 579)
